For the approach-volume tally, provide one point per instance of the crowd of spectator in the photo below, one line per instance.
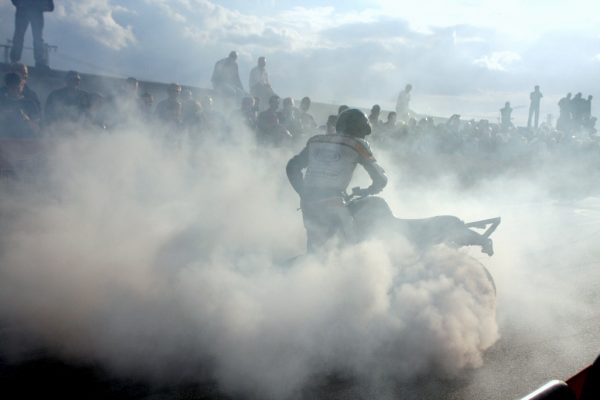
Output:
(279, 122)
(180, 113)
(576, 114)
(475, 150)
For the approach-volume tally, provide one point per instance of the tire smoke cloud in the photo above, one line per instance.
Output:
(169, 262)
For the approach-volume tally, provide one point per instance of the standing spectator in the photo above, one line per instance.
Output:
(30, 12)
(69, 103)
(534, 107)
(564, 117)
(587, 108)
(259, 84)
(506, 117)
(577, 106)
(226, 77)
(402, 104)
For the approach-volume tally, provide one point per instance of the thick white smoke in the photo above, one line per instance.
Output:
(545, 265)
(170, 261)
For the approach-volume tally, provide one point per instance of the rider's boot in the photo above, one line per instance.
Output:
(487, 247)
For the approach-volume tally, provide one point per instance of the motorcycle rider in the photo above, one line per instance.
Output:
(330, 161)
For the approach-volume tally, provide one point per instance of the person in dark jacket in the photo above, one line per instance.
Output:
(30, 12)
(226, 78)
(19, 117)
(70, 103)
(28, 93)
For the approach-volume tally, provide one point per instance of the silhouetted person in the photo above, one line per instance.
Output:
(69, 103)
(309, 125)
(329, 127)
(147, 105)
(534, 107)
(342, 108)
(270, 130)
(214, 121)
(125, 104)
(170, 109)
(577, 107)
(289, 117)
(99, 115)
(226, 78)
(565, 110)
(247, 113)
(191, 109)
(258, 83)
(453, 123)
(403, 103)
(374, 117)
(390, 124)
(590, 125)
(587, 108)
(131, 89)
(192, 115)
(506, 116)
(186, 95)
(28, 93)
(19, 117)
(30, 12)
(193, 119)
(257, 104)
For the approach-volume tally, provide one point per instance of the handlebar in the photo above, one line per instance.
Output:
(357, 193)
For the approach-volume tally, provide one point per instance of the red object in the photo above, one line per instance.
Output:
(576, 381)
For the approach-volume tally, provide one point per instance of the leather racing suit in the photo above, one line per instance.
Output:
(330, 161)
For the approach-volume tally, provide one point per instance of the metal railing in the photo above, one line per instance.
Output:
(48, 48)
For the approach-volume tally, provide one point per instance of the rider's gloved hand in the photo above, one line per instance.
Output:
(359, 192)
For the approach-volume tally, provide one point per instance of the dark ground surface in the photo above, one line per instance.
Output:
(47, 377)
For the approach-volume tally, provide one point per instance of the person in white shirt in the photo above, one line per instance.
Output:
(259, 84)
(402, 110)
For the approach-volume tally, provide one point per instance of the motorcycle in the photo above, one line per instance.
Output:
(373, 217)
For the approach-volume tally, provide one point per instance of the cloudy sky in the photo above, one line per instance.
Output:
(464, 56)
